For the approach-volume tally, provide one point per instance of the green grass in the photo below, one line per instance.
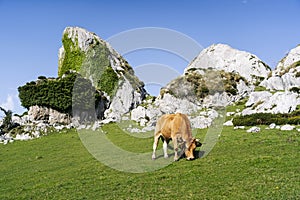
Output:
(260, 88)
(242, 165)
(240, 105)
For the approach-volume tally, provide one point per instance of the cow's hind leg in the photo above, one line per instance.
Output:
(155, 143)
(165, 147)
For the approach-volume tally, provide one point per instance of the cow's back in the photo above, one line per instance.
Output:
(181, 125)
(171, 124)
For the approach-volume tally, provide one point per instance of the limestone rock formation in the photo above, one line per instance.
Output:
(292, 57)
(266, 102)
(218, 76)
(286, 74)
(50, 115)
(95, 59)
(224, 57)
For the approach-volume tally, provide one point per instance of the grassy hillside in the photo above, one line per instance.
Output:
(242, 165)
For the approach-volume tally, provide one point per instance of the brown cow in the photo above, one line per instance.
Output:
(175, 127)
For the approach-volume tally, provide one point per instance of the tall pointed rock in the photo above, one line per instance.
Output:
(92, 57)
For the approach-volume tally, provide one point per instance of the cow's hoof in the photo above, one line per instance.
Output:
(176, 159)
(190, 158)
(153, 157)
(166, 156)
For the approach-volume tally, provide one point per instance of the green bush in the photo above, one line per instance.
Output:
(57, 93)
(7, 124)
(42, 77)
(267, 119)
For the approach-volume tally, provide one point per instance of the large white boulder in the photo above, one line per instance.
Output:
(253, 129)
(228, 123)
(125, 99)
(50, 115)
(170, 104)
(258, 97)
(16, 120)
(272, 126)
(287, 127)
(200, 122)
(224, 57)
(273, 83)
(266, 102)
(138, 113)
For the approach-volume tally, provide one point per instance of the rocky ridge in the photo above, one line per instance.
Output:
(239, 76)
(219, 76)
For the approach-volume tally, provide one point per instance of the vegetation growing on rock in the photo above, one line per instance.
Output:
(58, 93)
(73, 56)
(210, 82)
(85, 53)
(109, 82)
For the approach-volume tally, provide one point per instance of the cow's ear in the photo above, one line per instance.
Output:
(198, 143)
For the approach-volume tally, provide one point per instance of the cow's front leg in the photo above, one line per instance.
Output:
(175, 143)
(155, 143)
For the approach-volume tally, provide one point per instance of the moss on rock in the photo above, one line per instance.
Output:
(73, 56)
(109, 81)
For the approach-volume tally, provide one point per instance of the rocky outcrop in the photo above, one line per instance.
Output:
(266, 102)
(287, 81)
(286, 74)
(48, 115)
(217, 77)
(95, 59)
(125, 99)
(223, 57)
(287, 62)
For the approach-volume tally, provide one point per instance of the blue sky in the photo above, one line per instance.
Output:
(31, 31)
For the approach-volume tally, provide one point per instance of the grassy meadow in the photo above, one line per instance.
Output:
(242, 165)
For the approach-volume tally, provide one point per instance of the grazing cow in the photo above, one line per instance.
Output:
(175, 127)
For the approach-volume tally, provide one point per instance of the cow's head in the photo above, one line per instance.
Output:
(189, 151)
